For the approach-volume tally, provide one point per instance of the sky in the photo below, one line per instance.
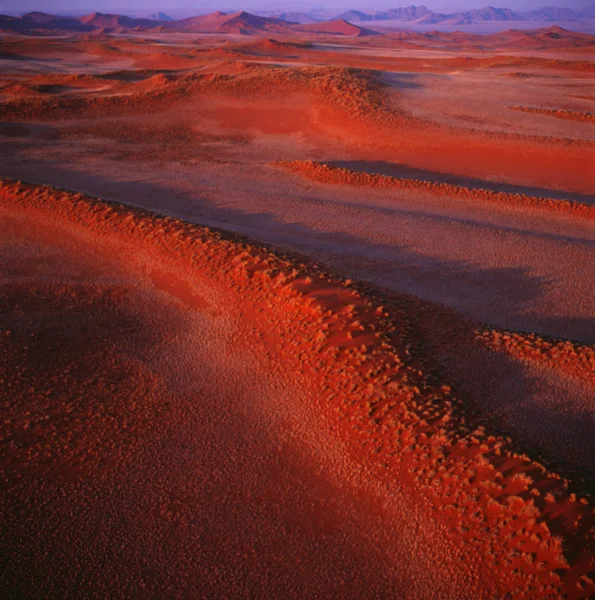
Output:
(194, 7)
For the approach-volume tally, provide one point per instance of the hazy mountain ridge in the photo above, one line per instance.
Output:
(280, 22)
(295, 17)
(218, 22)
(161, 16)
(39, 21)
(422, 14)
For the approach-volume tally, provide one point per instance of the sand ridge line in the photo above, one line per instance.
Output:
(570, 115)
(335, 175)
(346, 100)
(572, 359)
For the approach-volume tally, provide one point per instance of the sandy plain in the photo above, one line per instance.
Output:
(451, 178)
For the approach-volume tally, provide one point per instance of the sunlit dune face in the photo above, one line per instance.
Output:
(288, 116)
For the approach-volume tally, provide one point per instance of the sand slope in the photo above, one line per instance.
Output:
(265, 415)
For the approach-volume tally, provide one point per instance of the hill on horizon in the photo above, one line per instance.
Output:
(423, 15)
(245, 23)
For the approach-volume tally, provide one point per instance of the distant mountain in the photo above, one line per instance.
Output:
(13, 24)
(432, 18)
(200, 23)
(40, 20)
(295, 17)
(335, 27)
(160, 16)
(489, 13)
(552, 13)
(356, 16)
(423, 15)
(280, 22)
(110, 22)
(407, 13)
(246, 23)
(219, 22)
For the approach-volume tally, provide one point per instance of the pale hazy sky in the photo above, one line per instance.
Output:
(186, 7)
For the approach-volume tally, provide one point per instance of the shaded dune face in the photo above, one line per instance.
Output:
(189, 415)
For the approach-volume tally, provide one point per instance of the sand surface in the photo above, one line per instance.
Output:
(152, 406)
(209, 156)
(135, 420)
(164, 410)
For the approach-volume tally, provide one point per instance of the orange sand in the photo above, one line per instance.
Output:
(338, 175)
(351, 358)
(188, 414)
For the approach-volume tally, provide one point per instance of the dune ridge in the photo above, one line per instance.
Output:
(335, 175)
(572, 359)
(570, 115)
(348, 89)
(351, 103)
(355, 355)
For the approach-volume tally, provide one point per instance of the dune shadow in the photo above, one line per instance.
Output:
(548, 416)
(55, 89)
(404, 171)
(134, 76)
(501, 393)
(24, 58)
(401, 81)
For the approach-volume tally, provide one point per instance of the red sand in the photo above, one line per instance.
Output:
(351, 106)
(355, 370)
(191, 415)
(337, 27)
(571, 115)
(338, 175)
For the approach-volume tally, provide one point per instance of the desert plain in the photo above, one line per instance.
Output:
(297, 316)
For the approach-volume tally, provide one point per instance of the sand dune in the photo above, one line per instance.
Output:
(571, 115)
(330, 333)
(359, 376)
(339, 175)
(337, 27)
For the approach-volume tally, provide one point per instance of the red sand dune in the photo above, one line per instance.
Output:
(130, 479)
(573, 359)
(271, 47)
(221, 420)
(338, 175)
(219, 22)
(98, 20)
(338, 27)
